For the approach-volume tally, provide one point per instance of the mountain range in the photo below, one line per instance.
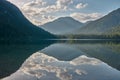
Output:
(62, 25)
(14, 27)
(107, 25)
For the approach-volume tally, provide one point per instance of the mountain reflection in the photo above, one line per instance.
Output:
(43, 67)
(13, 55)
(106, 51)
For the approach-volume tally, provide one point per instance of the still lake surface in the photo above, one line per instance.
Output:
(12, 56)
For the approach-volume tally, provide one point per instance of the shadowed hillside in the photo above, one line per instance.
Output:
(14, 27)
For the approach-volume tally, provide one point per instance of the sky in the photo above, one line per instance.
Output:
(40, 12)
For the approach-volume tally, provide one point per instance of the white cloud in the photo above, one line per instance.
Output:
(41, 19)
(36, 3)
(62, 4)
(37, 10)
(40, 11)
(81, 5)
(84, 17)
(40, 8)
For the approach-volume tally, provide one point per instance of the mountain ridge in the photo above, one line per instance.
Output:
(14, 27)
(62, 25)
(101, 25)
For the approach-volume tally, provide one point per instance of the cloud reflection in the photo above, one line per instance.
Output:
(43, 67)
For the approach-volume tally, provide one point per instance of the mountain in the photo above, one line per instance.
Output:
(62, 25)
(14, 27)
(102, 25)
(113, 31)
(88, 22)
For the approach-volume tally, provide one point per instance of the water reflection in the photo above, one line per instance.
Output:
(108, 52)
(66, 51)
(13, 55)
(43, 67)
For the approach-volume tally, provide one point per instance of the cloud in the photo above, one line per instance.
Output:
(81, 5)
(63, 4)
(42, 19)
(36, 11)
(42, 11)
(36, 3)
(40, 8)
(84, 17)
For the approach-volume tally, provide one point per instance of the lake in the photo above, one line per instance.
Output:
(101, 58)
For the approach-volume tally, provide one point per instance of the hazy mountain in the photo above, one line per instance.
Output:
(62, 25)
(14, 27)
(88, 22)
(102, 25)
(113, 31)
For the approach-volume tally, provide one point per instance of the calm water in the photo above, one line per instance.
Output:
(12, 56)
